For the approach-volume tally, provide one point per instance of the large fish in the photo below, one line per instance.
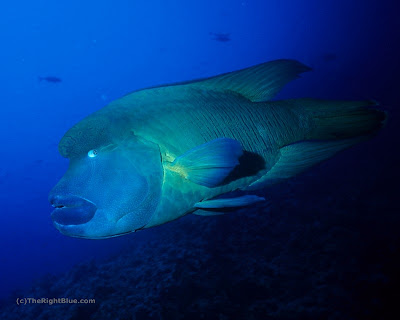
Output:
(160, 153)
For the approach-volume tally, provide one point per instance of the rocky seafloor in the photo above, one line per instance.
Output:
(326, 247)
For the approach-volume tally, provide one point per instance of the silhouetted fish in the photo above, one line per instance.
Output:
(221, 37)
(329, 57)
(50, 79)
(158, 154)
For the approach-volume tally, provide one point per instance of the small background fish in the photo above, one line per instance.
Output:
(220, 37)
(50, 79)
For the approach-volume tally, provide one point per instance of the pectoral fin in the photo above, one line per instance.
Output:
(210, 163)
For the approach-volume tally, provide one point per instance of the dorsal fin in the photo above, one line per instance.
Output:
(257, 83)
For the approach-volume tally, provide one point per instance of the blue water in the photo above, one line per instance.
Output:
(104, 49)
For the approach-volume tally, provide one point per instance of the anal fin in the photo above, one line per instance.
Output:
(298, 157)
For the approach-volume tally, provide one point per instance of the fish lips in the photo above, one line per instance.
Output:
(72, 210)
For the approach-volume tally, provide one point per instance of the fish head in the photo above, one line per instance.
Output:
(110, 188)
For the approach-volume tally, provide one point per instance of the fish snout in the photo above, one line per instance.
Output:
(71, 209)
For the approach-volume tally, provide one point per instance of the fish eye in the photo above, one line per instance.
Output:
(93, 153)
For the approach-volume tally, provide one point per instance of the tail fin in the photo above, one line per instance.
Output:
(330, 126)
(333, 120)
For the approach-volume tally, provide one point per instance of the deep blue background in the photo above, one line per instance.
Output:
(104, 49)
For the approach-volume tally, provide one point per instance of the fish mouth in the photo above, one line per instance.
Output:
(71, 210)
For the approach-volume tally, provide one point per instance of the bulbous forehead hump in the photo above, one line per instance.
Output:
(86, 135)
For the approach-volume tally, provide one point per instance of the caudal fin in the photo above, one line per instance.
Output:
(342, 119)
(329, 127)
